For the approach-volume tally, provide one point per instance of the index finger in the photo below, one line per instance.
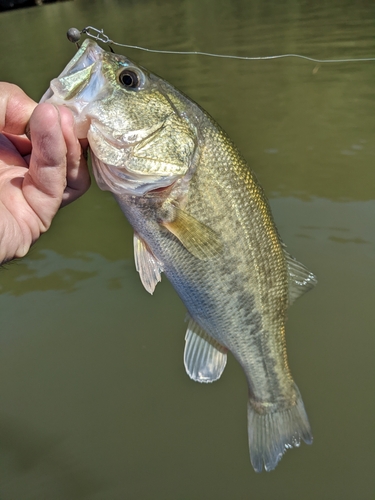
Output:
(15, 109)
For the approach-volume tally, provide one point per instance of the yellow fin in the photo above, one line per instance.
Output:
(197, 238)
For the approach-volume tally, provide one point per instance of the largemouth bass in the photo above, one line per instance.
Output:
(199, 216)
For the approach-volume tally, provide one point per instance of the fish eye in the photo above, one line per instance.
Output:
(129, 78)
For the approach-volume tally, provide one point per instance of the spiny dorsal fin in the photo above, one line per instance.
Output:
(301, 280)
(197, 238)
(204, 358)
(146, 264)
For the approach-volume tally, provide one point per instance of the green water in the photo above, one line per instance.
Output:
(95, 403)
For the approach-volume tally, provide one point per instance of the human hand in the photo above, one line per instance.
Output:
(39, 175)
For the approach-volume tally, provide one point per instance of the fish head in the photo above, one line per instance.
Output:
(142, 135)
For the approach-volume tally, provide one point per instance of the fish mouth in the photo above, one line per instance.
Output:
(78, 84)
(87, 55)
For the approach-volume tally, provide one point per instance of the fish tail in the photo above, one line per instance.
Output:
(272, 433)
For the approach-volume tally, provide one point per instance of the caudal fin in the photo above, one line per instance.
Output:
(271, 434)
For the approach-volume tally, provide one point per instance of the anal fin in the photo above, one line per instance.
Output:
(148, 266)
(204, 358)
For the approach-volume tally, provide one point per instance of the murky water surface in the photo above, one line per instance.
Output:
(95, 403)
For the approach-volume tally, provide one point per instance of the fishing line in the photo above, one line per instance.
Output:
(74, 36)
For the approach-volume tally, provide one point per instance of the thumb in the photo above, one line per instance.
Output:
(45, 181)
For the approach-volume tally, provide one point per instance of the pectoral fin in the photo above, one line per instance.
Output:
(147, 264)
(196, 237)
(301, 280)
(204, 358)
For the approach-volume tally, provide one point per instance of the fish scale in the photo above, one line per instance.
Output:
(247, 266)
(201, 218)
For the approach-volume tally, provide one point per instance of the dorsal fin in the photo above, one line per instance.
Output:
(301, 280)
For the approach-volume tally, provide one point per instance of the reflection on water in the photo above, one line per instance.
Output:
(342, 222)
(95, 401)
(48, 270)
